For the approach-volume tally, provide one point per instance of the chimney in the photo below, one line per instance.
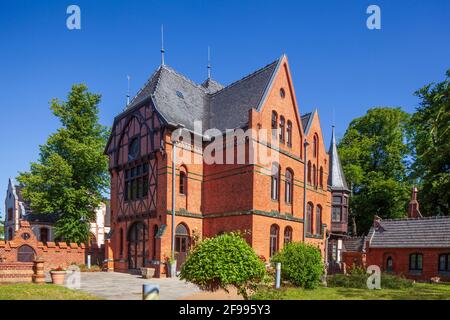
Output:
(377, 223)
(413, 207)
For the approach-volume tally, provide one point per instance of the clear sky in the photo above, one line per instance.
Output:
(337, 63)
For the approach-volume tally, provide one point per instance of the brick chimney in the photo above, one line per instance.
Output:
(377, 223)
(413, 207)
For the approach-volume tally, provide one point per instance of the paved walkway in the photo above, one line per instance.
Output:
(124, 286)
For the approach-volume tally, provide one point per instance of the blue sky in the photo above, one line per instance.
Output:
(337, 63)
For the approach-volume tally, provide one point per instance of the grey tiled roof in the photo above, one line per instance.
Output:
(305, 120)
(432, 232)
(182, 101)
(336, 177)
(354, 244)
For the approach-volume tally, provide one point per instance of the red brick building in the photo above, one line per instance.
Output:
(416, 247)
(266, 199)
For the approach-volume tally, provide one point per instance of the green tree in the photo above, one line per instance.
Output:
(71, 173)
(430, 145)
(374, 155)
(223, 261)
(2, 230)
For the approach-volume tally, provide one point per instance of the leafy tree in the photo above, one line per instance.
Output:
(301, 264)
(430, 144)
(2, 230)
(72, 172)
(223, 261)
(374, 156)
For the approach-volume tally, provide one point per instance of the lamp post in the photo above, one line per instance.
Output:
(174, 161)
(305, 172)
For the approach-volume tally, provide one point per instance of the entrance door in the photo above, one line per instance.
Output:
(182, 243)
(137, 236)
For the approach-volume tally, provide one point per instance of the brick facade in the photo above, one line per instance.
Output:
(400, 258)
(219, 197)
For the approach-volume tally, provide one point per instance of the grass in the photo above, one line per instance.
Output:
(419, 291)
(30, 291)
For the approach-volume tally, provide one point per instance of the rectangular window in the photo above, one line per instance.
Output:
(336, 214)
(337, 199)
(10, 214)
(415, 262)
(136, 182)
(444, 262)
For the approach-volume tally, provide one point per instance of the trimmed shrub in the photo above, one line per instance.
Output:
(223, 261)
(301, 264)
(358, 280)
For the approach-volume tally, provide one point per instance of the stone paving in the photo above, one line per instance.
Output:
(124, 286)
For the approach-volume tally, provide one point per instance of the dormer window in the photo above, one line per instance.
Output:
(179, 95)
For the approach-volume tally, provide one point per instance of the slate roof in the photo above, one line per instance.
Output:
(336, 177)
(305, 120)
(179, 100)
(430, 232)
(353, 244)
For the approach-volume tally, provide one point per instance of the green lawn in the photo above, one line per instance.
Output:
(420, 291)
(29, 291)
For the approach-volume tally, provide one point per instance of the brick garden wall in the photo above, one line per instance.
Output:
(53, 254)
(16, 272)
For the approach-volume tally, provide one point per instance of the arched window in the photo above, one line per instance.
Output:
(315, 146)
(389, 264)
(314, 175)
(25, 254)
(318, 222)
(287, 235)
(43, 235)
(274, 187)
(415, 262)
(288, 187)
(309, 172)
(321, 177)
(309, 218)
(444, 262)
(289, 133)
(274, 236)
(274, 124)
(183, 183)
(282, 124)
(121, 242)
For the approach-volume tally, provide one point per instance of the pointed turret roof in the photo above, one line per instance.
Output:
(336, 177)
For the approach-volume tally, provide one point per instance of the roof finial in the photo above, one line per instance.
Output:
(333, 139)
(209, 63)
(162, 44)
(128, 90)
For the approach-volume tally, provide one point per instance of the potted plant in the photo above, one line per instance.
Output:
(58, 275)
(171, 267)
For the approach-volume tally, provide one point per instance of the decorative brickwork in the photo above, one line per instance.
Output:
(24, 249)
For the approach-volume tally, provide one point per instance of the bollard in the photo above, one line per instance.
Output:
(89, 261)
(278, 275)
(150, 291)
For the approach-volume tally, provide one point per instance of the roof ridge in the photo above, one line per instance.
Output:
(175, 72)
(248, 76)
(144, 86)
(417, 219)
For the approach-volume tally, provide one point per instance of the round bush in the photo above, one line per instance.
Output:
(222, 261)
(301, 264)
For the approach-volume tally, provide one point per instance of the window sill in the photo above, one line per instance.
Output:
(444, 273)
(415, 272)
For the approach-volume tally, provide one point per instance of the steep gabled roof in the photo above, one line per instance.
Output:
(181, 101)
(354, 244)
(336, 177)
(432, 232)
